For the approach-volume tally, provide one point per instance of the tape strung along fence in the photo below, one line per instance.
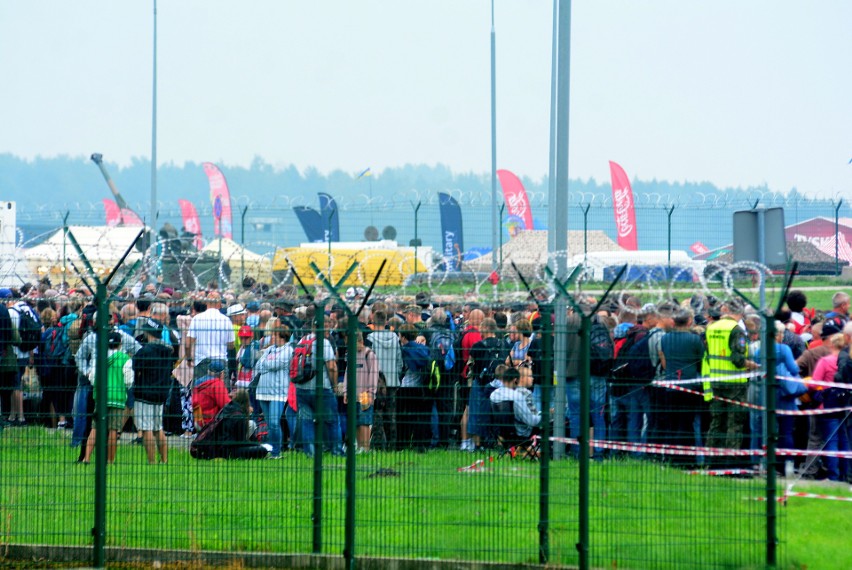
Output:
(601, 491)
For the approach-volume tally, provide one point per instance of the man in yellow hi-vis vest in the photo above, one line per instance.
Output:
(726, 363)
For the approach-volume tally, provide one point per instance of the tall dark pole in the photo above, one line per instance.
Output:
(669, 212)
(494, 220)
(243, 244)
(837, 237)
(557, 235)
(586, 233)
(153, 218)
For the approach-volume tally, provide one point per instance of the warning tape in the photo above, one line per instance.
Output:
(814, 412)
(669, 449)
(478, 465)
(783, 498)
(722, 472)
(818, 496)
(823, 383)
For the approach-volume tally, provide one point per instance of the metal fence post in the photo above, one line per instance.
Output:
(351, 436)
(583, 437)
(544, 472)
(100, 424)
(771, 444)
(319, 417)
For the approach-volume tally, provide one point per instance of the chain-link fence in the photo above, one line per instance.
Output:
(525, 419)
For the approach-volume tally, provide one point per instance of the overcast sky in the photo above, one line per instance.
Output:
(735, 93)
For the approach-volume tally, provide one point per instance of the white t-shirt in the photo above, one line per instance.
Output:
(212, 331)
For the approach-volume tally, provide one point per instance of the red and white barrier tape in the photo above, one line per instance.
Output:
(783, 498)
(816, 412)
(822, 383)
(818, 496)
(722, 472)
(667, 449)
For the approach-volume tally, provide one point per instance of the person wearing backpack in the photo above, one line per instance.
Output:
(485, 356)
(632, 372)
(414, 404)
(26, 331)
(470, 336)
(306, 389)
(51, 364)
(152, 382)
(441, 376)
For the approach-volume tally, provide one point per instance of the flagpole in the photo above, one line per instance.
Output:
(495, 224)
(153, 218)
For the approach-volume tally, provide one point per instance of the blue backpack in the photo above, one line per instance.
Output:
(442, 357)
(54, 351)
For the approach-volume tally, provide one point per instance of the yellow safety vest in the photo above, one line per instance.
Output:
(717, 361)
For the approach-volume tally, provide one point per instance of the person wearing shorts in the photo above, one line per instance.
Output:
(119, 379)
(152, 381)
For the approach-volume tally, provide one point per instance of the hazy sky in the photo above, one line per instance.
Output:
(733, 92)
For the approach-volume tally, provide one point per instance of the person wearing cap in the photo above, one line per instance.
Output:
(119, 379)
(209, 394)
(152, 380)
(237, 314)
(210, 336)
(247, 356)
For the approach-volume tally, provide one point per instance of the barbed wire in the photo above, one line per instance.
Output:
(404, 275)
(405, 198)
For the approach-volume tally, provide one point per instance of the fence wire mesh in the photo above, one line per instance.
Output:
(213, 445)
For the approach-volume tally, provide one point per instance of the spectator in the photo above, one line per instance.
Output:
(228, 437)
(727, 356)
(414, 405)
(25, 357)
(385, 344)
(152, 374)
(209, 394)
(682, 352)
(516, 390)
(832, 425)
(366, 379)
(210, 336)
(273, 370)
(119, 378)
(306, 394)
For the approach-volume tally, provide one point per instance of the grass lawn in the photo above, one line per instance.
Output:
(642, 514)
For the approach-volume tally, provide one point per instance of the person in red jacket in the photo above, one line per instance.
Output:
(209, 394)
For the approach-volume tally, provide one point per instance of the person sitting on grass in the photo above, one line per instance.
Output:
(228, 436)
(209, 394)
(119, 379)
(516, 388)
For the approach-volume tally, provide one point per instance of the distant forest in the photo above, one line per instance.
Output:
(45, 189)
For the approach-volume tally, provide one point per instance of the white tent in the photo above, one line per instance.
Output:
(597, 261)
(103, 246)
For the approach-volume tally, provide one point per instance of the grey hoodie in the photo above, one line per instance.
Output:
(386, 346)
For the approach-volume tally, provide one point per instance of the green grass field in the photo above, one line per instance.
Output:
(643, 515)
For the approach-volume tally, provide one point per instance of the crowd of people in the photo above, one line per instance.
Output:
(235, 372)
